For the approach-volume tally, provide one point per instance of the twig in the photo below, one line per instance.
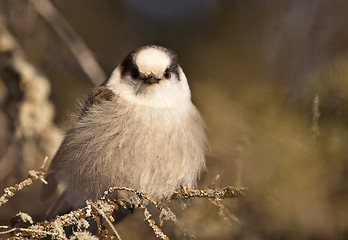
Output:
(158, 232)
(213, 183)
(44, 164)
(85, 213)
(10, 191)
(315, 118)
(55, 226)
(106, 219)
(138, 193)
(79, 49)
(40, 232)
(224, 212)
(227, 192)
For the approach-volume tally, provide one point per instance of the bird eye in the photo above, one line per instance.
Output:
(167, 73)
(135, 73)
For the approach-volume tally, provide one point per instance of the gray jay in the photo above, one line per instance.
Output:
(139, 129)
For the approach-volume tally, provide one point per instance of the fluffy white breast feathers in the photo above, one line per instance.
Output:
(151, 76)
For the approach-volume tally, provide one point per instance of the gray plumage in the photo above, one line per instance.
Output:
(132, 132)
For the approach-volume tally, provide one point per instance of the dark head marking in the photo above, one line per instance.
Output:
(129, 65)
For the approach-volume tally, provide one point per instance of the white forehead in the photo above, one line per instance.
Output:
(152, 60)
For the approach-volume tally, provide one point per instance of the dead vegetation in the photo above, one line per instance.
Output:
(101, 212)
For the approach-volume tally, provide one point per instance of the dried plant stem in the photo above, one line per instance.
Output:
(227, 192)
(158, 232)
(36, 231)
(10, 191)
(105, 207)
(224, 212)
(79, 49)
(106, 219)
(315, 117)
(138, 193)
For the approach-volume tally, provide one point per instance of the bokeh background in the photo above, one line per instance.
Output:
(269, 77)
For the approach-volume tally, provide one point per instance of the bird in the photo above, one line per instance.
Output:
(138, 129)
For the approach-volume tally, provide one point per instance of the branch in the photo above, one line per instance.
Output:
(315, 117)
(79, 49)
(227, 192)
(158, 232)
(33, 175)
(105, 207)
(106, 219)
(35, 231)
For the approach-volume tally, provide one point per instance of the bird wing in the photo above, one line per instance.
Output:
(55, 187)
(97, 96)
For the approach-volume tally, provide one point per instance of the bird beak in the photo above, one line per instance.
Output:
(151, 79)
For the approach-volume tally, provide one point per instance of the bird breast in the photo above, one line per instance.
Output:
(117, 144)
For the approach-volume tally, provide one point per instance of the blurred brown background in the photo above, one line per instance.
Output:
(259, 71)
